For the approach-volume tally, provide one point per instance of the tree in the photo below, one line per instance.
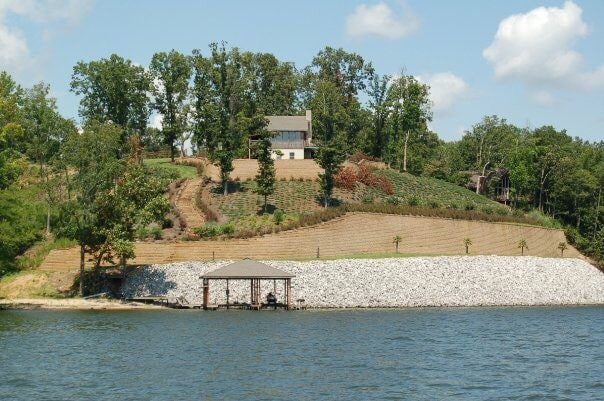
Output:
(410, 113)
(12, 130)
(467, 242)
(397, 240)
(136, 201)
(171, 73)
(349, 74)
(93, 156)
(265, 179)
(522, 245)
(113, 90)
(550, 149)
(219, 119)
(46, 131)
(562, 247)
(378, 105)
(272, 84)
(329, 126)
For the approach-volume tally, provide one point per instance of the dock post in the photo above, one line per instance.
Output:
(206, 292)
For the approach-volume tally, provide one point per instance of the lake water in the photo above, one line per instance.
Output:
(420, 354)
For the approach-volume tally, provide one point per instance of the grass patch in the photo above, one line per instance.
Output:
(544, 220)
(183, 171)
(34, 257)
(375, 255)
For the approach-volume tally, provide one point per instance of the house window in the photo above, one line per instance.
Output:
(291, 155)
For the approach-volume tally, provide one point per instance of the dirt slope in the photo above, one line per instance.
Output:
(355, 233)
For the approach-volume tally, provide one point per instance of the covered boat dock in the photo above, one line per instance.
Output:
(255, 272)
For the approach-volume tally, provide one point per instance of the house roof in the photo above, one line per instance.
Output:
(247, 269)
(287, 123)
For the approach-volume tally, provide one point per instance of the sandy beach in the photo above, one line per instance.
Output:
(73, 304)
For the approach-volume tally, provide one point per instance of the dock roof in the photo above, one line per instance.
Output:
(247, 269)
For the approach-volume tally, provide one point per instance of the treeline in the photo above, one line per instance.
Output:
(217, 98)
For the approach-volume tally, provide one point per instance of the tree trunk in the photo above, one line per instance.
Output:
(172, 151)
(48, 220)
(265, 202)
(82, 265)
(123, 266)
(405, 152)
(597, 215)
(225, 186)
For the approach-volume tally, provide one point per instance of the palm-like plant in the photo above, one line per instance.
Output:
(397, 240)
(522, 244)
(467, 242)
(562, 247)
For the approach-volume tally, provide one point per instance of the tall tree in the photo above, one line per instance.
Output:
(113, 90)
(219, 118)
(93, 156)
(551, 150)
(171, 73)
(272, 84)
(410, 113)
(329, 124)
(46, 131)
(378, 105)
(265, 179)
(12, 130)
(349, 74)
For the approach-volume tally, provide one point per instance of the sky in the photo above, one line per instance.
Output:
(531, 62)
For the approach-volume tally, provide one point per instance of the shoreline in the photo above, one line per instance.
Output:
(78, 304)
(73, 304)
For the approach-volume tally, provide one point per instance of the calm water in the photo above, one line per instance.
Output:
(425, 354)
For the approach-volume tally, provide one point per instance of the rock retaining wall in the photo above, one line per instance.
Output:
(401, 282)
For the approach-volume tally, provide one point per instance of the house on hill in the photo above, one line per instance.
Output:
(292, 137)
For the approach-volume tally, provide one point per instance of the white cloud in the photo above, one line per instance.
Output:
(47, 10)
(446, 89)
(14, 53)
(381, 20)
(537, 48)
(15, 56)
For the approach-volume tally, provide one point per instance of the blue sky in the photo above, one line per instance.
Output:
(532, 62)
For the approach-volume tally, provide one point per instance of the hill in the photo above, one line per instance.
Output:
(299, 196)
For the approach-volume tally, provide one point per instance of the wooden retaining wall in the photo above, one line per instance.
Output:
(352, 234)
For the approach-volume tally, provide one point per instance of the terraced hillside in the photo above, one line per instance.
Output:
(353, 234)
(300, 196)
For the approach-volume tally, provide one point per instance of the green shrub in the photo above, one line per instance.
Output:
(142, 233)
(278, 216)
(487, 210)
(469, 206)
(393, 200)
(208, 230)
(413, 201)
(367, 198)
(543, 219)
(434, 204)
(155, 232)
(502, 211)
(228, 229)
